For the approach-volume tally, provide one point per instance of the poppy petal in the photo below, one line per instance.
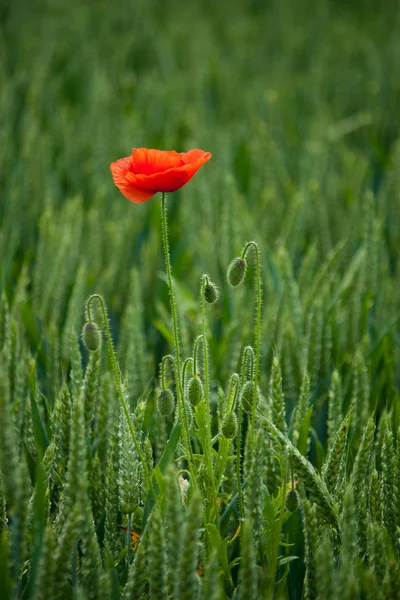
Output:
(146, 161)
(148, 171)
(119, 170)
(169, 180)
(195, 155)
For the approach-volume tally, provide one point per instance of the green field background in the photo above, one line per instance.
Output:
(298, 102)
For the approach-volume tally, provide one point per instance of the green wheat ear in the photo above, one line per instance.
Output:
(389, 490)
(350, 549)
(326, 576)
(335, 399)
(276, 397)
(158, 588)
(111, 485)
(138, 570)
(47, 576)
(91, 384)
(359, 478)
(314, 485)
(211, 584)
(128, 480)
(188, 585)
(310, 528)
(332, 470)
(248, 578)
(175, 526)
(132, 348)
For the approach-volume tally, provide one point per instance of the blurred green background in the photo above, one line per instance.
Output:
(298, 103)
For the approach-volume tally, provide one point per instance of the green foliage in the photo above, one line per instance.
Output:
(194, 494)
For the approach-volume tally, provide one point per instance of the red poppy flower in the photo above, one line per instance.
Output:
(147, 172)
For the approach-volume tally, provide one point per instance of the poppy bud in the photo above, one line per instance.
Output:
(236, 271)
(292, 500)
(248, 396)
(229, 426)
(91, 337)
(211, 292)
(165, 403)
(195, 391)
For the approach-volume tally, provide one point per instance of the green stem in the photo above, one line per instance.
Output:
(164, 360)
(247, 350)
(179, 390)
(170, 284)
(208, 445)
(232, 392)
(118, 381)
(225, 443)
(187, 362)
(195, 350)
(257, 329)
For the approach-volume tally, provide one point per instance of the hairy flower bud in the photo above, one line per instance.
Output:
(247, 397)
(91, 336)
(165, 403)
(229, 426)
(292, 500)
(195, 391)
(211, 292)
(236, 271)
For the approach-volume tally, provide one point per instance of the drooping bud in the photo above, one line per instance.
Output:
(236, 271)
(91, 337)
(229, 426)
(292, 501)
(165, 403)
(195, 391)
(211, 292)
(247, 397)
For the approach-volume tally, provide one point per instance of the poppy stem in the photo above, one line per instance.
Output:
(247, 351)
(188, 361)
(163, 363)
(179, 390)
(208, 436)
(170, 284)
(119, 385)
(225, 444)
(195, 351)
(254, 245)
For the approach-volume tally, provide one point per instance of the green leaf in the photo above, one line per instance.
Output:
(39, 431)
(5, 581)
(169, 452)
(284, 560)
(221, 547)
(30, 461)
(305, 432)
(232, 506)
(319, 450)
(159, 470)
(163, 329)
(39, 525)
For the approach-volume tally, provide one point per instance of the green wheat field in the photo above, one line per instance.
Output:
(253, 452)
